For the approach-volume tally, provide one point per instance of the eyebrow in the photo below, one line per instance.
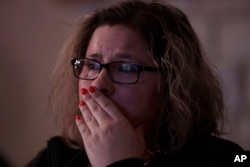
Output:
(94, 55)
(116, 56)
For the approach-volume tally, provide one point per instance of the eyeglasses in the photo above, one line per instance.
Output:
(121, 72)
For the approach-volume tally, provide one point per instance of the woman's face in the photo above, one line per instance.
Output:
(139, 102)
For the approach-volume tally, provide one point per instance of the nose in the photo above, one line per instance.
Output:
(103, 83)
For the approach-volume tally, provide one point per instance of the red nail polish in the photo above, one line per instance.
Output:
(91, 89)
(78, 117)
(82, 103)
(84, 91)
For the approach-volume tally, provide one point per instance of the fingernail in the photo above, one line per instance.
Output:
(84, 91)
(82, 103)
(91, 89)
(78, 117)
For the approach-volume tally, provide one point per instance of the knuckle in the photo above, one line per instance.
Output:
(88, 119)
(84, 130)
(106, 103)
(96, 109)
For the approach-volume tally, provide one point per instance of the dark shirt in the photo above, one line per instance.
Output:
(206, 151)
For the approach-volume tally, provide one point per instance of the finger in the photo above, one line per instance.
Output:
(81, 125)
(106, 104)
(96, 110)
(89, 120)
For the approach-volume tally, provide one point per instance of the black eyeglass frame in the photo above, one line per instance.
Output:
(107, 65)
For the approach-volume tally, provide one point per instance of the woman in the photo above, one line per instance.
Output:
(144, 95)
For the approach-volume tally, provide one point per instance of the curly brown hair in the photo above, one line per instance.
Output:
(191, 96)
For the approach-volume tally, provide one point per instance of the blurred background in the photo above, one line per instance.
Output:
(32, 33)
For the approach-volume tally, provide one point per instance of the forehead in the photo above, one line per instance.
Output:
(114, 42)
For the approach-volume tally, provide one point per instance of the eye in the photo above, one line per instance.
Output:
(93, 66)
(127, 68)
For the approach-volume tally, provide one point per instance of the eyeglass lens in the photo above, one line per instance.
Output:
(121, 72)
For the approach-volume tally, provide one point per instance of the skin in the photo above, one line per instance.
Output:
(116, 117)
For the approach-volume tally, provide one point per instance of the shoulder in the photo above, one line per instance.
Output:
(202, 151)
(212, 144)
(58, 154)
(212, 151)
